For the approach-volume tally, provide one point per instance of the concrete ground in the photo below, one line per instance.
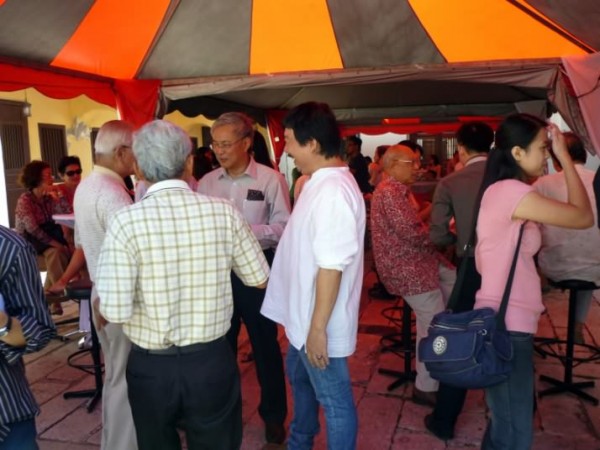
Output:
(389, 420)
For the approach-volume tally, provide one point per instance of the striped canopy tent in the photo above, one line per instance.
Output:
(381, 64)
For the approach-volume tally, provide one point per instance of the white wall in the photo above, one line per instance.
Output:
(370, 143)
(593, 161)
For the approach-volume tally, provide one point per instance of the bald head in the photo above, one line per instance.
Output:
(399, 163)
(395, 153)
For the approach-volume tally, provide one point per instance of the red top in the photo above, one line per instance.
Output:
(406, 260)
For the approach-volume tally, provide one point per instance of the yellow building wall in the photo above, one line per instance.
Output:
(193, 127)
(45, 110)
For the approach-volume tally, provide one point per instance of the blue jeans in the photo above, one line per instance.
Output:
(329, 388)
(511, 402)
(21, 436)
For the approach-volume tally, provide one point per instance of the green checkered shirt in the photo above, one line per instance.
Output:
(164, 268)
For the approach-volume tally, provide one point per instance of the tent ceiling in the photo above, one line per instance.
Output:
(368, 59)
(174, 39)
(437, 92)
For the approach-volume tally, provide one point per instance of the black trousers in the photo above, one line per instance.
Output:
(198, 392)
(450, 400)
(262, 332)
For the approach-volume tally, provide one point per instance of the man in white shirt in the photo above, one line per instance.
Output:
(315, 288)
(97, 198)
(261, 195)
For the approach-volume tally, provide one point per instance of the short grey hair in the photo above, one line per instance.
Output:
(112, 135)
(161, 150)
(243, 124)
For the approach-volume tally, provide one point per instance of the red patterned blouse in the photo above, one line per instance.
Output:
(406, 260)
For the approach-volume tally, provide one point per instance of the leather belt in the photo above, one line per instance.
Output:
(175, 350)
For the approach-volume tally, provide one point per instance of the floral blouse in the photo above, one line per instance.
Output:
(406, 260)
(31, 212)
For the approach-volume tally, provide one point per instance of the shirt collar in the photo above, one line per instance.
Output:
(110, 173)
(405, 189)
(475, 159)
(251, 171)
(166, 184)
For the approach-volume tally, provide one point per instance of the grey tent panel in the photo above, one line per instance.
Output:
(203, 38)
(37, 31)
(580, 18)
(377, 33)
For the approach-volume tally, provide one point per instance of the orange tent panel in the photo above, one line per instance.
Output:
(113, 38)
(475, 30)
(292, 35)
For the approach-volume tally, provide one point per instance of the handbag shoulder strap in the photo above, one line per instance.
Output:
(500, 324)
(462, 269)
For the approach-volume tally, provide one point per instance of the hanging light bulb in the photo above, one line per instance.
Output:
(26, 107)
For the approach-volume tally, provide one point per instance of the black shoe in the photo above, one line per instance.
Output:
(274, 433)
(432, 427)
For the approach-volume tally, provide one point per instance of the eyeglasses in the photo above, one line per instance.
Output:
(71, 173)
(224, 144)
(415, 163)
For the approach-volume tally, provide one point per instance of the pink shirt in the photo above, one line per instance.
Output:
(497, 236)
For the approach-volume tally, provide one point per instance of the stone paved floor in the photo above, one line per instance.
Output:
(388, 420)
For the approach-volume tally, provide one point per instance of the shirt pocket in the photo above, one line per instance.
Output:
(256, 212)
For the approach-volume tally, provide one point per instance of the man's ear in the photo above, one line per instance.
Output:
(314, 146)
(189, 164)
(137, 172)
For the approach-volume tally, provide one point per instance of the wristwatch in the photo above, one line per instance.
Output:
(6, 328)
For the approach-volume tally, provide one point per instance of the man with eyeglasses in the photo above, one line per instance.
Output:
(261, 195)
(407, 262)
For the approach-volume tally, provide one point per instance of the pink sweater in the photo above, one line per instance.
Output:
(497, 236)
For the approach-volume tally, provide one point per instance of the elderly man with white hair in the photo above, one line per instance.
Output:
(164, 273)
(97, 198)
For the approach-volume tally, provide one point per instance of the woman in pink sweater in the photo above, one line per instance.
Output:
(522, 146)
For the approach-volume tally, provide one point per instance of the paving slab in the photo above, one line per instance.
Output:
(388, 419)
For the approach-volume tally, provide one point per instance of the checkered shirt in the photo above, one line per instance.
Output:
(164, 268)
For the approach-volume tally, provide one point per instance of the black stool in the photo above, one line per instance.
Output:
(404, 347)
(82, 290)
(567, 384)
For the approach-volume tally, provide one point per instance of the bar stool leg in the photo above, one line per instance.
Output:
(96, 393)
(408, 374)
(567, 384)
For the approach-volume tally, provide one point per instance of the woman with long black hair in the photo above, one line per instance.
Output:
(522, 145)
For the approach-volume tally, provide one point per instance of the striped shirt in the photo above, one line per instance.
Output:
(21, 287)
(164, 268)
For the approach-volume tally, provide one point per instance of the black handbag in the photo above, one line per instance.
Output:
(471, 349)
(52, 229)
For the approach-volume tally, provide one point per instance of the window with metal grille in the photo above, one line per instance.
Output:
(13, 146)
(53, 144)
(206, 137)
(449, 143)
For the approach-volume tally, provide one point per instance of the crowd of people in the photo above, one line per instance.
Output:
(216, 238)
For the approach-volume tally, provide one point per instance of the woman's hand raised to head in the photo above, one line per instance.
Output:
(559, 144)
